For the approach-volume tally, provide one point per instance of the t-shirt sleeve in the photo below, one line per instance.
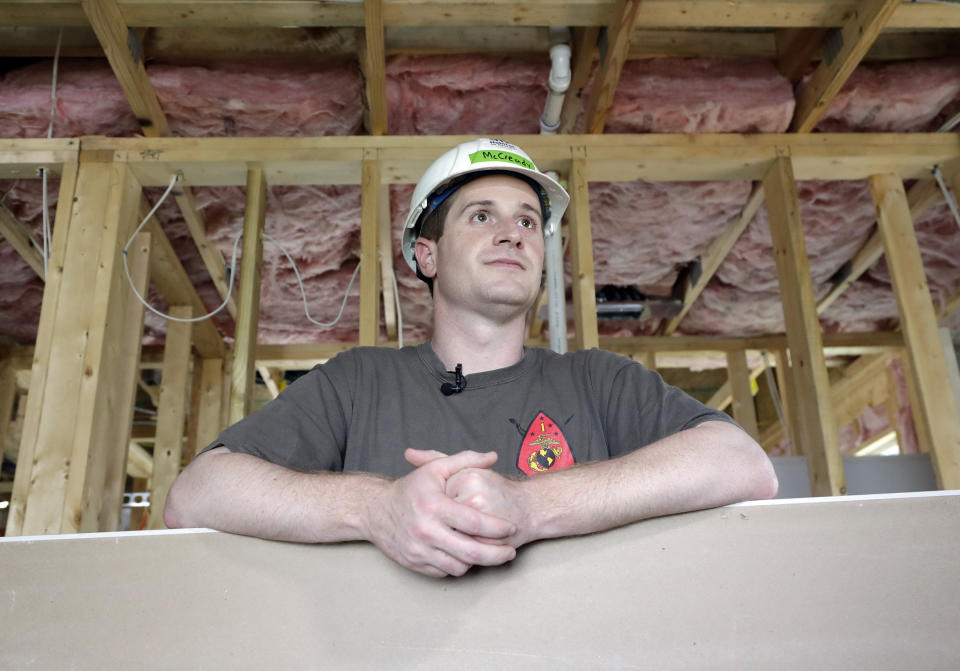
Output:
(305, 427)
(641, 408)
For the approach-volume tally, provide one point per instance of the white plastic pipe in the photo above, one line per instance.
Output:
(556, 295)
(559, 80)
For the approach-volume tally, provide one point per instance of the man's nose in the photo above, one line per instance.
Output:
(508, 232)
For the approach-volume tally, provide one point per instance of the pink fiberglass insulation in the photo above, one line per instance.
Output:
(442, 95)
(896, 97)
(698, 95)
(221, 100)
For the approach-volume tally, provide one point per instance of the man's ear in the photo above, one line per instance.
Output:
(426, 252)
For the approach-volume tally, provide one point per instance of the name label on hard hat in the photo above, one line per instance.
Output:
(490, 155)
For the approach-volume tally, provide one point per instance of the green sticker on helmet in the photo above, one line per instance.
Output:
(500, 156)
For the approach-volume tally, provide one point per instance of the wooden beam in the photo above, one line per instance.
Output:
(843, 49)
(788, 399)
(208, 405)
(172, 282)
(373, 64)
(723, 396)
(78, 399)
(744, 410)
(245, 344)
(268, 380)
(953, 370)
(581, 255)
(921, 197)
(139, 461)
(369, 261)
(123, 50)
(796, 47)
(102, 495)
(208, 251)
(584, 53)
(715, 256)
(305, 13)
(385, 253)
(619, 32)
(168, 447)
(919, 324)
(19, 238)
(613, 157)
(817, 432)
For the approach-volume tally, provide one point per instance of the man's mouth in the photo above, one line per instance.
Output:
(506, 263)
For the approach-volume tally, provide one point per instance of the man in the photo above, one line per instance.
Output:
(457, 452)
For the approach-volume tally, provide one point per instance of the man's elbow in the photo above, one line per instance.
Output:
(174, 515)
(763, 481)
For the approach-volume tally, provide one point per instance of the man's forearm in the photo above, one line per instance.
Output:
(710, 465)
(242, 494)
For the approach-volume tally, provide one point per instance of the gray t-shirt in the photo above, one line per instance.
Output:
(362, 409)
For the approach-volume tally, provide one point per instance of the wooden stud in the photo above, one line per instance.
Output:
(269, 380)
(245, 343)
(796, 47)
(18, 236)
(916, 407)
(744, 410)
(919, 325)
(581, 255)
(369, 262)
(167, 449)
(816, 432)
(788, 401)
(41, 353)
(649, 360)
(103, 496)
(385, 253)
(843, 49)
(139, 462)
(715, 256)
(209, 403)
(82, 384)
(619, 33)
(125, 54)
(373, 63)
(8, 394)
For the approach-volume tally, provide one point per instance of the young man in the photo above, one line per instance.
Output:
(457, 452)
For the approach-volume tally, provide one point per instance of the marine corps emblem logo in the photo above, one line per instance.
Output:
(544, 447)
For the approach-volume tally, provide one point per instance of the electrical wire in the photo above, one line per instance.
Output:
(43, 171)
(303, 293)
(948, 126)
(233, 267)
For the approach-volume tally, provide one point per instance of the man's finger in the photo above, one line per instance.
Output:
(472, 522)
(447, 466)
(418, 458)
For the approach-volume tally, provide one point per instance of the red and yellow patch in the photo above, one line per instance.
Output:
(544, 447)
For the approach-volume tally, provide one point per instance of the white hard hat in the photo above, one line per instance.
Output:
(471, 159)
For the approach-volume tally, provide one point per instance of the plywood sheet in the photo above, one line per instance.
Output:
(857, 582)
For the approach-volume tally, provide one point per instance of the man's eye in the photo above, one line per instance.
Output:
(528, 223)
(481, 217)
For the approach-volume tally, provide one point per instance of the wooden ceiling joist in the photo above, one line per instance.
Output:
(618, 34)
(843, 48)
(373, 65)
(652, 14)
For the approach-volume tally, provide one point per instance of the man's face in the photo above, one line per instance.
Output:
(490, 255)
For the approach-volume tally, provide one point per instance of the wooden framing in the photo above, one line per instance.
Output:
(85, 359)
(208, 404)
(168, 447)
(843, 48)
(369, 259)
(937, 411)
(652, 13)
(8, 394)
(19, 237)
(241, 393)
(743, 409)
(619, 32)
(385, 254)
(816, 431)
(373, 64)
(581, 255)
